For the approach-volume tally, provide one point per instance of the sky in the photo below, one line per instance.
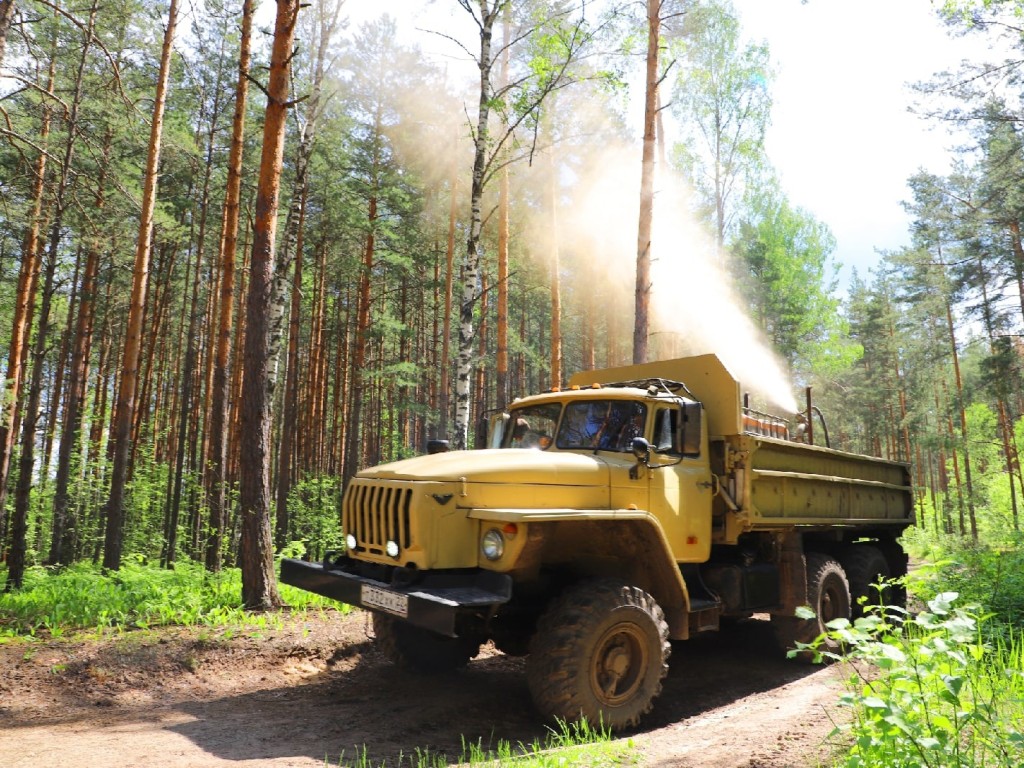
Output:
(842, 138)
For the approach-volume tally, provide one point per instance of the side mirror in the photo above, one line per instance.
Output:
(437, 446)
(641, 449)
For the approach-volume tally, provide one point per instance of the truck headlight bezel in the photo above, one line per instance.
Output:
(492, 544)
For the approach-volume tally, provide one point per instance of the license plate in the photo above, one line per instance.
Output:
(385, 600)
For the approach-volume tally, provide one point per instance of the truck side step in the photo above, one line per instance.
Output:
(705, 608)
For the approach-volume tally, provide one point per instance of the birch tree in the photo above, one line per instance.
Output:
(556, 40)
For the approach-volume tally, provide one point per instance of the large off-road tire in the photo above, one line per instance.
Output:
(866, 567)
(828, 594)
(419, 649)
(600, 652)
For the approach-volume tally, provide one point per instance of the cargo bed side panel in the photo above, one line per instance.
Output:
(795, 484)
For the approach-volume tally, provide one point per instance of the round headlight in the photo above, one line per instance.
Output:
(492, 544)
(391, 548)
(350, 542)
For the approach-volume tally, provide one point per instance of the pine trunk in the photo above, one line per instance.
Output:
(28, 277)
(125, 408)
(19, 545)
(6, 16)
(62, 543)
(353, 451)
(556, 278)
(259, 587)
(446, 332)
(963, 424)
(641, 325)
(501, 336)
(218, 446)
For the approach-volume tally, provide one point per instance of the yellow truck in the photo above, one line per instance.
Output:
(638, 505)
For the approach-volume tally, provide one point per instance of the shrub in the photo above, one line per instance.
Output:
(929, 691)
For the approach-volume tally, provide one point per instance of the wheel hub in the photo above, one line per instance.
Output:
(618, 664)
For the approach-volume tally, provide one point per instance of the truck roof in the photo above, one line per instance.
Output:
(704, 375)
(629, 390)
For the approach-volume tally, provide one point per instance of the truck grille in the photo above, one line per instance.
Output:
(377, 512)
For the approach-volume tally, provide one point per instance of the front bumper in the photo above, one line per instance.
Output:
(433, 601)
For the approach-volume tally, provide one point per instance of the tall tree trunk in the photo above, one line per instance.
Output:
(60, 204)
(28, 277)
(199, 362)
(1018, 261)
(259, 587)
(1005, 425)
(6, 17)
(951, 437)
(556, 277)
(23, 489)
(62, 544)
(286, 450)
(326, 23)
(183, 409)
(353, 451)
(501, 336)
(125, 409)
(641, 326)
(963, 423)
(474, 250)
(226, 257)
(446, 332)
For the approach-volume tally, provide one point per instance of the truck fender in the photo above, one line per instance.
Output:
(626, 543)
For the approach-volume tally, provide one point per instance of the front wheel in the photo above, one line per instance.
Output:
(600, 652)
(411, 647)
(828, 594)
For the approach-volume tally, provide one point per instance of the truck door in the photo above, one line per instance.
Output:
(680, 482)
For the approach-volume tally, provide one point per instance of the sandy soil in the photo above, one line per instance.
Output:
(316, 690)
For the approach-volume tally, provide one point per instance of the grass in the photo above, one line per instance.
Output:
(53, 602)
(570, 745)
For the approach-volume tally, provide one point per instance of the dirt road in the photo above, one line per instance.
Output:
(315, 690)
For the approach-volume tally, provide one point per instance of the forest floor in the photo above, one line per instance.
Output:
(315, 691)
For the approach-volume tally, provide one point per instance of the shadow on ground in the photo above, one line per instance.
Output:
(374, 710)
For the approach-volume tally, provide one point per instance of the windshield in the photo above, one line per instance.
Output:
(604, 425)
(532, 427)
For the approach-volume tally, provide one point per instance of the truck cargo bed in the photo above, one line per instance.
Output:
(785, 483)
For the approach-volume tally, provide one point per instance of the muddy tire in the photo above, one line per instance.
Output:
(600, 652)
(828, 594)
(865, 567)
(419, 649)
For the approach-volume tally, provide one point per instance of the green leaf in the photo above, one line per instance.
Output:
(943, 602)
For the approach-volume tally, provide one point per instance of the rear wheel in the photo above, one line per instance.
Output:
(411, 647)
(828, 594)
(866, 568)
(600, 652)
